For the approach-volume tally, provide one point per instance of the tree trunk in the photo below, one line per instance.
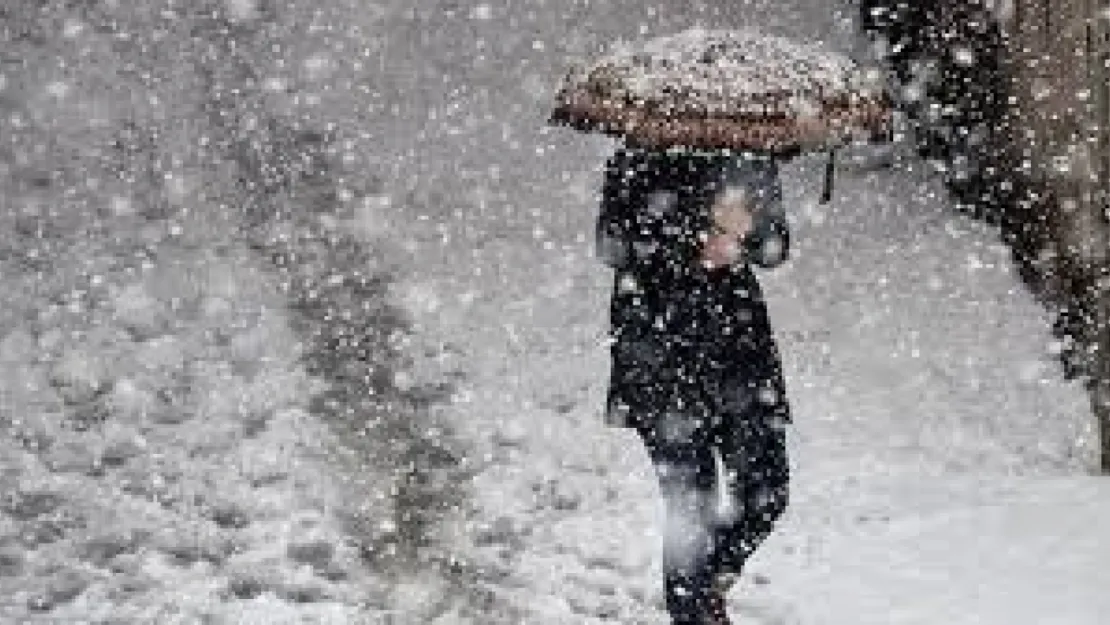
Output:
(1098, 42)
(1061, 113)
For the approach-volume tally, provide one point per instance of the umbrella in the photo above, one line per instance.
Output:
(725, 89)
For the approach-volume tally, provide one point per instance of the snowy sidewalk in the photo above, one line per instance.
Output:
(920, 371)
(932, 430)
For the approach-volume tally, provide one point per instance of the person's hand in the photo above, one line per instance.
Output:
(731, 222)
(719, 250)
(730, 215)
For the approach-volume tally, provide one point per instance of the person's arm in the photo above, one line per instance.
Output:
(730, 222)
(749, 220)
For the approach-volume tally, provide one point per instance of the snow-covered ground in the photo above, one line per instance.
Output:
(940, 457)
(163, 458)
(179, 422)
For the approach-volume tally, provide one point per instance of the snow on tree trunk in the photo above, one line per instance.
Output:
(1099, 63)
(1058, 51)
(1018, 105)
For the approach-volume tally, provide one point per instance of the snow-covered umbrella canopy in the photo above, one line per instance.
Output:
(724, 89)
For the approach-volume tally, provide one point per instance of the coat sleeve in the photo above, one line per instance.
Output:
(768, 243)
(615, 218)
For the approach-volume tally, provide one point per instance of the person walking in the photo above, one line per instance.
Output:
(695, 369)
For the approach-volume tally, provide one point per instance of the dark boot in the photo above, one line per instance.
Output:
(716, 609)
(717, 598)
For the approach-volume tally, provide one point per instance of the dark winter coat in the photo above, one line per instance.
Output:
(690, 346)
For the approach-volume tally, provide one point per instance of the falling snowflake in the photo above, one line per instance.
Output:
(242, 10)
(481, 12)
(122, 206)
(57, 89)
(963, 55)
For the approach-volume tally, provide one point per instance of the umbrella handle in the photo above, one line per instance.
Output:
(830, 171)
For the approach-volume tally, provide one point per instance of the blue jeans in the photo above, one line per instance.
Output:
(704, 538)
